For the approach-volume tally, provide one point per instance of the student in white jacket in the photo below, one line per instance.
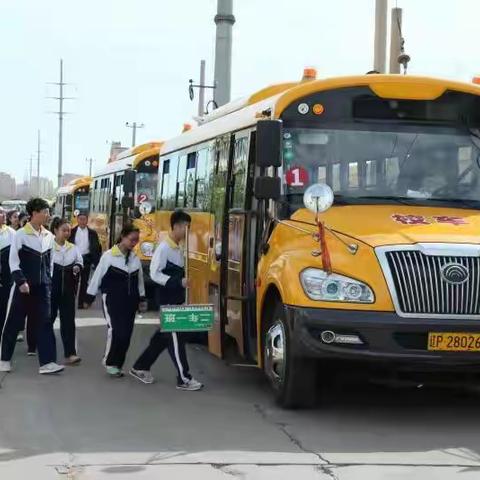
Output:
(67, 263)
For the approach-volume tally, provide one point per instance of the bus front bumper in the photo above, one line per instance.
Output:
(386, 338)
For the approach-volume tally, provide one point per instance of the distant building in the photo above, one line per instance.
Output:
(8, 186)
(68, 177)
(45, 189)
(115, 149)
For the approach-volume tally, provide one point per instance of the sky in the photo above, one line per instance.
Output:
(130, 60)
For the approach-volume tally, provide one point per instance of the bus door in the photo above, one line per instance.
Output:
(238, 289)
(117, 211)
(218, 188)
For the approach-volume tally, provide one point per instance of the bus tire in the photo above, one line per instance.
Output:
(293, 378)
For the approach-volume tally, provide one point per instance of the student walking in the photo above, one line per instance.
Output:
(66, 266)
(30, 257)
(7, 235)
(168, 271)
(119, 277)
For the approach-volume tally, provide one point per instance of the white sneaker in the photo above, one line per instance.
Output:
(50, 368)
(5, 366)
(191, 385)
(20, 337)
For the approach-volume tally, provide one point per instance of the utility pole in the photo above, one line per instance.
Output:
(89, 161)
(224, 20)
(30, 173)
(134, 127)
(380, 45)
(201, 93)
(396, 40)
(61, 113)
(38, 162)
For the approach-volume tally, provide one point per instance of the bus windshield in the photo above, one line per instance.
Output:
(147, 188)
(81, 201)
(424, 165)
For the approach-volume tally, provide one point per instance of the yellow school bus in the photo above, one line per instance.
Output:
(336, 223)
(72, 199)
(125, 189)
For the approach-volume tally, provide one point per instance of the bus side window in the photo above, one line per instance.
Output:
(118, 192)
(172, 183)
(182, 171)
(240, 172)
(164, 182)
(190, 179)
(201, 180)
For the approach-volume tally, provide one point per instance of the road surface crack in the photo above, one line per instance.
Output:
(283, 427)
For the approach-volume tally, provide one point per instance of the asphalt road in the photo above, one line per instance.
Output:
(83, 425)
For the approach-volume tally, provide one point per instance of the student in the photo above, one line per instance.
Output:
(13, 220)
(167, 270)
(30, 257)
(119, 277)
(7, 235)
(86, 239)
(66, 265)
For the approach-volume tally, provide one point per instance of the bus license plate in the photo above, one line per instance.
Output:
(454, 342)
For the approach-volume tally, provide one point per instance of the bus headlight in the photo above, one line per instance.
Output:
(319, 285)
(147, 249)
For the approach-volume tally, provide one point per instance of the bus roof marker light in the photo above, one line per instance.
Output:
(476, 80)
(309, 74)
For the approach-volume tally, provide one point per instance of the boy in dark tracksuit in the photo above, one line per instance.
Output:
(168, 271)
(7, 235)
(29, 261)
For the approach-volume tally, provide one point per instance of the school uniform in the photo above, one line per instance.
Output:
(120, 280)
(30, 262)
(7, 235)
(64, 258)
(167, 269)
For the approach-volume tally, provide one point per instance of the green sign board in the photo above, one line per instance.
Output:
(186, 318)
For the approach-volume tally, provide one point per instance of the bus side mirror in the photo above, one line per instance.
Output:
(267, 188)
(129, 180)
(269, 143)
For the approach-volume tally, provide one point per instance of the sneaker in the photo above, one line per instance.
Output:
(32, 354)
(50, 368)
(73, 360)
(20, 338)
(114, 372)
(143, 375)
(5, 366)
(191, 385)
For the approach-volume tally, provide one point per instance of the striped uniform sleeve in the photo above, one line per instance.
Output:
(14, 260)
(78, 257)
(158, 263)
(97, 278)
(141, 281)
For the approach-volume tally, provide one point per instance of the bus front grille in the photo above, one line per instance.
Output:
(434, 285)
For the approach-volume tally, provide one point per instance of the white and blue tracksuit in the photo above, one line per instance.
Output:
(7, 236)
(64, 285)
(30, 262)
(119, 278)
(167, 269)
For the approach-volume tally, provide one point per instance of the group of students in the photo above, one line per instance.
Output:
(39, 274)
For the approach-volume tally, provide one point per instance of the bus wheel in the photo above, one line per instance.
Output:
(293, 378)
